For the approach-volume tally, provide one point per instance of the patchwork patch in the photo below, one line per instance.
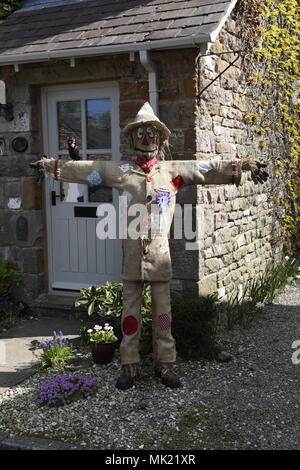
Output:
(94, 178)
(125, 167)
(204, 166)
(130, 325)
(164, 322)
(177, 182)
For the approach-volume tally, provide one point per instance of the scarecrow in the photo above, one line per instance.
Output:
(153, 183)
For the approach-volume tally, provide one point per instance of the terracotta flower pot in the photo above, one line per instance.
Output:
(103, 352)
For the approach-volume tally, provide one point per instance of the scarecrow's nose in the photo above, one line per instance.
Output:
(145, 140)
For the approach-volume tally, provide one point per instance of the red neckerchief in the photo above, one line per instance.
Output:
(147, 165)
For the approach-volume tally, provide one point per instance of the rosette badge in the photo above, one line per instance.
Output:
(163, 200)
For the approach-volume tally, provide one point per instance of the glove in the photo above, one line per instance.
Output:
(73, 148)
(258, 175)
(40, 167)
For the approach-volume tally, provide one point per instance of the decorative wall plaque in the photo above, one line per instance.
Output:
(19, 144)
(22, 229)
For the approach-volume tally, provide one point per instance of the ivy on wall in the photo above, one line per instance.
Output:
(7, 7)
(271, 64)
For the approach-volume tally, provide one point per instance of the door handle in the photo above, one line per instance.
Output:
(53, 197)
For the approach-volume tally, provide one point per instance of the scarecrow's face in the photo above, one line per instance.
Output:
(146, 142)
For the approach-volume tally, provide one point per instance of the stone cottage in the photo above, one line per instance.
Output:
(84, 68)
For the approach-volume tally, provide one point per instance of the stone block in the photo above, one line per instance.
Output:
(214, 264)
(208, 285)
(186, 262)
(12, 227)
(137, 90)
(203, 141)
(189, 86)
(32, 260)
(225, 147)
(12, 188)
(31, 194)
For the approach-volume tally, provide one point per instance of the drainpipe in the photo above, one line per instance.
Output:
(152, 79)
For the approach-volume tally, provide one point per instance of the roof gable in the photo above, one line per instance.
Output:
(84, 25)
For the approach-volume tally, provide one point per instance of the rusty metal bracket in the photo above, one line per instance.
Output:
(221, 73)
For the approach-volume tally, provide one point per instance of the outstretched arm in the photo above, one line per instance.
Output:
(215, 172)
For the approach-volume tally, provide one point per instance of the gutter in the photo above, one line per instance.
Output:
(152, 79)
(187, 41)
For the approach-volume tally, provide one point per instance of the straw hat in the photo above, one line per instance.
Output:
(146, 116)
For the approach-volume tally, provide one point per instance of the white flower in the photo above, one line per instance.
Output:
(260, 304)
(97, 327)
(90, 331)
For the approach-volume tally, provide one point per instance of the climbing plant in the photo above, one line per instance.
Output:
(271, 64)
(7, 7)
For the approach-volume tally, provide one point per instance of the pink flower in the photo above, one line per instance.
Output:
(97, 327)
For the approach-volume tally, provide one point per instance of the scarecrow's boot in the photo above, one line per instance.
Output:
(167, 375)
(127, 377)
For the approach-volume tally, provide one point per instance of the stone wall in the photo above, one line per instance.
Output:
(240, 228)
(22, 210)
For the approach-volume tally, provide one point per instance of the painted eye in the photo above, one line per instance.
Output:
(150, 132)
(140, 133)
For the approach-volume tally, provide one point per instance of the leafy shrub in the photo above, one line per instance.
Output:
(106, 298)
(243, 309)
(8, 7)
(65, 389)
(194, 327)
(9, 278)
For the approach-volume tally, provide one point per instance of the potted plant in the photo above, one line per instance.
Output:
(102, 341)
(104, 304)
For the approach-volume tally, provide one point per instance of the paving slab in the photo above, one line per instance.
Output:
(17, 361)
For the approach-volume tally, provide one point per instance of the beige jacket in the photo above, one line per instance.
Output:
(147, 257)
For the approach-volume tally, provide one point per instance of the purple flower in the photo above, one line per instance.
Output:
(64, 389)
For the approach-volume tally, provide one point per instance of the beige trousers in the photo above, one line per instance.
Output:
(164, 343)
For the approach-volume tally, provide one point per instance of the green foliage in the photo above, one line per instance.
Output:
(56, 353)
(56, 358)
(8, 7)
(273, 60)
(194, 326)
(243, 309)
(107, 299)
(8, 317)
(9, 278)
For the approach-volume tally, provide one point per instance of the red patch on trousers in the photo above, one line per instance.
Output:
(177, 182)
(164, 321)
(130, 325)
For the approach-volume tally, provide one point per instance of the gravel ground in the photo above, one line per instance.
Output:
(251, 402)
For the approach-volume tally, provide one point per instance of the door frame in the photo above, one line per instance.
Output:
(45, 138)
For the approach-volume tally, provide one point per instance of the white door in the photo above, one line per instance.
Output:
(77, 258)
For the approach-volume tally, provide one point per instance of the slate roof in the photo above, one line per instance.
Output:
(69, 26)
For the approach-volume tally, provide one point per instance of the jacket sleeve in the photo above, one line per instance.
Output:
(85, 172)
(206, 172)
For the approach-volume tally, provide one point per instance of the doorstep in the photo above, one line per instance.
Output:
(57, 306)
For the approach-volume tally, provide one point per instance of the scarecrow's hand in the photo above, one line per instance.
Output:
(73, 148)
(258, 175)
(41, 166)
